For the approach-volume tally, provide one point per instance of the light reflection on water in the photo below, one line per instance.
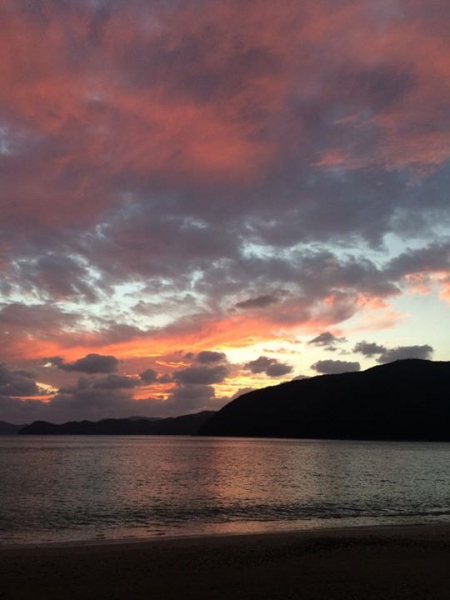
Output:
(72, 488)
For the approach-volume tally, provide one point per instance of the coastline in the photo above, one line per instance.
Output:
(400, 561)
(204, 537)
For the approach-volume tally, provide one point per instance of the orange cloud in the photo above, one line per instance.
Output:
(377, 322)
(424, 282)
(445, 294)
(418, 283)
(202, 334)
(367, 302)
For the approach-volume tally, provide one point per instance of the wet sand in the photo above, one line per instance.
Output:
(358, 563)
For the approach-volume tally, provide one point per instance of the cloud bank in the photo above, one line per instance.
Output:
(213, 178)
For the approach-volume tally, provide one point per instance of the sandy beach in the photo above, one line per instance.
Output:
(386, 562)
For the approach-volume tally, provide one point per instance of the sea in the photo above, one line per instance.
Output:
(61, 489)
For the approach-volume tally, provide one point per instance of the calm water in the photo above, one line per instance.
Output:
(55, 489)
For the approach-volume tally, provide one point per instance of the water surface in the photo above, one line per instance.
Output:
(56, 489)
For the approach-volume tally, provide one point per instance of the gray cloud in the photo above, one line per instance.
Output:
(209, 356)
(259, 365)
(91, 363)
(270, 366)
(36, 317)
(109, 382)
(116, 382)
(193, 394)
(187, 398)
(17, 383)
(259, 302)
(400, 353)
(329, 367)
(201, 375)
(149, 376)
(59, 276)
(277, 369)
(15, 410)
(387, 355)
(326, 339)
(434, 257)
(369, 348)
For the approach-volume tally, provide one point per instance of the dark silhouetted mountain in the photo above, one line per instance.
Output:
(183, 425)
(9, 428)
(403, 400)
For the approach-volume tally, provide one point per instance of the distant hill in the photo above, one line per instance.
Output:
(135, 418)
(9, 428)
(183, 425)
(404, 400)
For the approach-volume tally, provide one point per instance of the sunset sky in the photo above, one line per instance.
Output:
(200, 198)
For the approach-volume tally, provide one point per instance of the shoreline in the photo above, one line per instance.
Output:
(397, 562)
(204, 537)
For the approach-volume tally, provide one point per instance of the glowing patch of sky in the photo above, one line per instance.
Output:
(428, 316)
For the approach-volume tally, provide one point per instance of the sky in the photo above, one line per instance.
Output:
(202, 198)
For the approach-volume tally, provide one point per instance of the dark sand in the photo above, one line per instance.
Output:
(359, 563)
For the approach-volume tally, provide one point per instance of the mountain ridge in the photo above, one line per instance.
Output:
(403, 400)
(181, 425)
